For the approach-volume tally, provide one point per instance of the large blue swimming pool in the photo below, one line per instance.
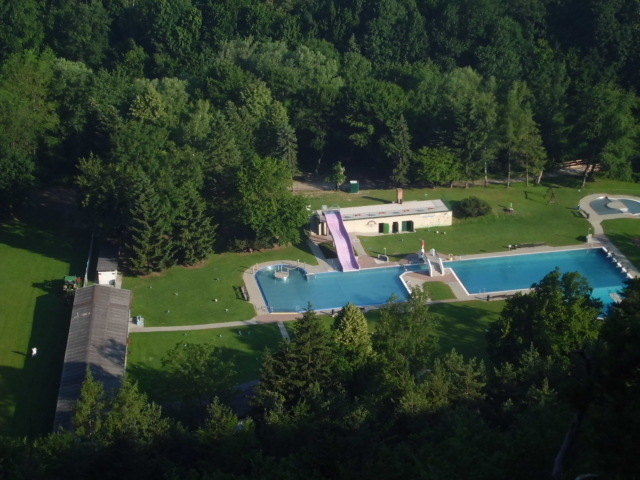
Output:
(367, 287)
(515, 272)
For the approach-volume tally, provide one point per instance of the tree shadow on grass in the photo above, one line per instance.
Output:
(52, 241)
(154, 379)
(629, 245)
(157, 383)
(10, 379)
(464, 327)
(376, 199)
(567, 181)
(35, 386)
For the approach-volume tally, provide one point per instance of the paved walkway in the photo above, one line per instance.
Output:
(596, 219)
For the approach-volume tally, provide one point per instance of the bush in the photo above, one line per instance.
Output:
(472, 207)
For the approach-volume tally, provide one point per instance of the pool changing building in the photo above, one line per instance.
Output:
(387, 218)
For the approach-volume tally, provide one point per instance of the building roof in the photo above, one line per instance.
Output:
(97, 338)
(107, 258)
(391, 209)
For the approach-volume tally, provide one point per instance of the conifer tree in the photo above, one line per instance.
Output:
(352, 333)
(522, 139)
(91, 407)
(398, 150)
(300, 370)
(132, 418)
(220, 422)
(147, 240)
(194, 233)
(406, 338)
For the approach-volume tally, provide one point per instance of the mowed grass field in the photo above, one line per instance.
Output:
(186, 296)
(34, 259)
(463, 325)
(538, 217)
(243, 345)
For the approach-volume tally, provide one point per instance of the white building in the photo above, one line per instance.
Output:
(107, 266)
(389, 217)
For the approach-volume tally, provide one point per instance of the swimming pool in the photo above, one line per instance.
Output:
(332, 290)
(515, 272)
(600, 206)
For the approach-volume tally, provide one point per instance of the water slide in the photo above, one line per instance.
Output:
(344, 248)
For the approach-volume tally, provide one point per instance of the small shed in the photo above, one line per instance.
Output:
(97, 339)
(107, 266)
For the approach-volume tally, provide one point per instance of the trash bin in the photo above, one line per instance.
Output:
(354, 186)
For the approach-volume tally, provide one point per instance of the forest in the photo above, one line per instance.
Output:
(174, 119)
(181, 124)
(554, 396)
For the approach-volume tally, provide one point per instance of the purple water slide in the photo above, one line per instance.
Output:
(344, 248)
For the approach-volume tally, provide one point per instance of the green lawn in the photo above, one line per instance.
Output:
(146, 351)
(535, 219)
(625, 234)
(34, 259)
(186, 296)
(439, 291)
(463, 325)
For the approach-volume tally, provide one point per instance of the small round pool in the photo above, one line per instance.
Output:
(613, 206)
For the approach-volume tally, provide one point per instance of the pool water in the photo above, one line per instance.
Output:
(516, 272)
(600, 206)
(332, 290)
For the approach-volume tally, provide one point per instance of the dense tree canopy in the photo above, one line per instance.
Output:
(195, 94)
(345, 402)
(181, 124)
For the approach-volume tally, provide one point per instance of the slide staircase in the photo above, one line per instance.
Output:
(341, 239)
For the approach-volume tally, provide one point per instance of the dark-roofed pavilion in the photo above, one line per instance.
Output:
(97, 338)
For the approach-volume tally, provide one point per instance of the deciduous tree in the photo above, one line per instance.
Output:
(557, 317)
(436, 166)
(338, 176)
(271, 212)
(27, 118)
(198, 374)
